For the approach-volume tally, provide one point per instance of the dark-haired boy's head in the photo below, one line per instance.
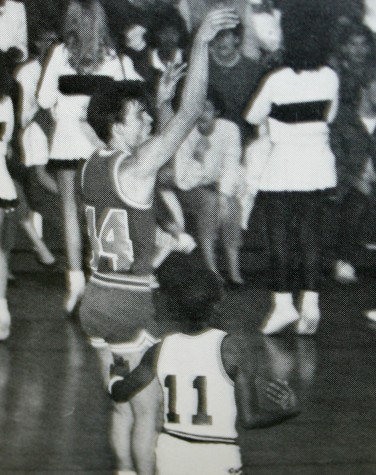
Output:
(197, 295)
(120, 113)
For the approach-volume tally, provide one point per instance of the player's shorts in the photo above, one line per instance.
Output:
(179, 457)
(119, 316)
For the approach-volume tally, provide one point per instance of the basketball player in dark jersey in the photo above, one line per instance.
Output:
(118, 190)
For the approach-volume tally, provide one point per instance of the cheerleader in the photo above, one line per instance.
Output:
(298, 101)
(76, 67)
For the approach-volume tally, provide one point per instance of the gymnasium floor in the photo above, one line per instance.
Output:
(54, 414)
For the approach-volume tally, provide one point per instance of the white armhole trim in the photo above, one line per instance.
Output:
(120, 192)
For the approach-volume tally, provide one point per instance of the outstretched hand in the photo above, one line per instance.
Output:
(280, 393)
(215, 21)
(169, 80)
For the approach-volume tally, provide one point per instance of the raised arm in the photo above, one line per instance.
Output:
(155, 153)
(259, 405)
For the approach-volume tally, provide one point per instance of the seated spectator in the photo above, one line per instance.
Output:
(354, 143)
(233, 75)
(207, 177)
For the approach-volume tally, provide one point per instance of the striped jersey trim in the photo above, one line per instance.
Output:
(200, 438)
(142, 284)
(143, 340)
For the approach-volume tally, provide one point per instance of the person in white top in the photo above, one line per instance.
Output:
(76, 67)
(8, 198)
(13, 31)
(209, 381)
(298, 101)
(207, 175)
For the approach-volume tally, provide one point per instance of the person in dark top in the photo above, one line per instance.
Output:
(233, 76)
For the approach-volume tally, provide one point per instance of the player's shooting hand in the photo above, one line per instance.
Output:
(120, 367)
(280, 393)
(169, 80)
(215, 21)
(185, 243)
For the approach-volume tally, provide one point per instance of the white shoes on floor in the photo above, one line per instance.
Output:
(5, 320)
(371, 315)
(344, 272)
(284, 314)
(76, 289)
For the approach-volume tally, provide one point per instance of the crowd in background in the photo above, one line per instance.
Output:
(212, 183)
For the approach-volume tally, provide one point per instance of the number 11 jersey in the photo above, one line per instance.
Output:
(199, 399)
(121, 232)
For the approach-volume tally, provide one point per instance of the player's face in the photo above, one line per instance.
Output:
(136, 124)
(205, 123)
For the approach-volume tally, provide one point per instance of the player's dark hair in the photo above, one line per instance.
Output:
(106, 106)
(306, 28)
(198, 292)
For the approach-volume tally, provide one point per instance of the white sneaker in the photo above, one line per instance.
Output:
(5, 320)
(371, 315)
(309, 314)
(76, 289)
(283, 314)
(344, 272)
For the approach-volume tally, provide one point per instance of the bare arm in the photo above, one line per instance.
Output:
(240, 363)
(157, 151)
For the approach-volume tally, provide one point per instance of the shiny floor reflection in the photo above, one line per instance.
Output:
(54, 414)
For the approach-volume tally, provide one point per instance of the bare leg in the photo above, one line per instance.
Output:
(40, 247)
(231, 239)
(208, 224)
(72, 233)
(146, 406)
(4, 312)
(122, 417)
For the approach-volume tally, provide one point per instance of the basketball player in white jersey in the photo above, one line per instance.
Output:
(208, 378)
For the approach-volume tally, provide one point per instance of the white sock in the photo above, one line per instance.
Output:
(3, 304)
(76, 279)
(310, 299)
(283, 299)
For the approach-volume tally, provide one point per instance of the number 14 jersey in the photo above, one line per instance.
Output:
(199, 400)
(121, 232)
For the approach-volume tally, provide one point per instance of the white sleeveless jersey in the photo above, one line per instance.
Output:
(199, 400)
